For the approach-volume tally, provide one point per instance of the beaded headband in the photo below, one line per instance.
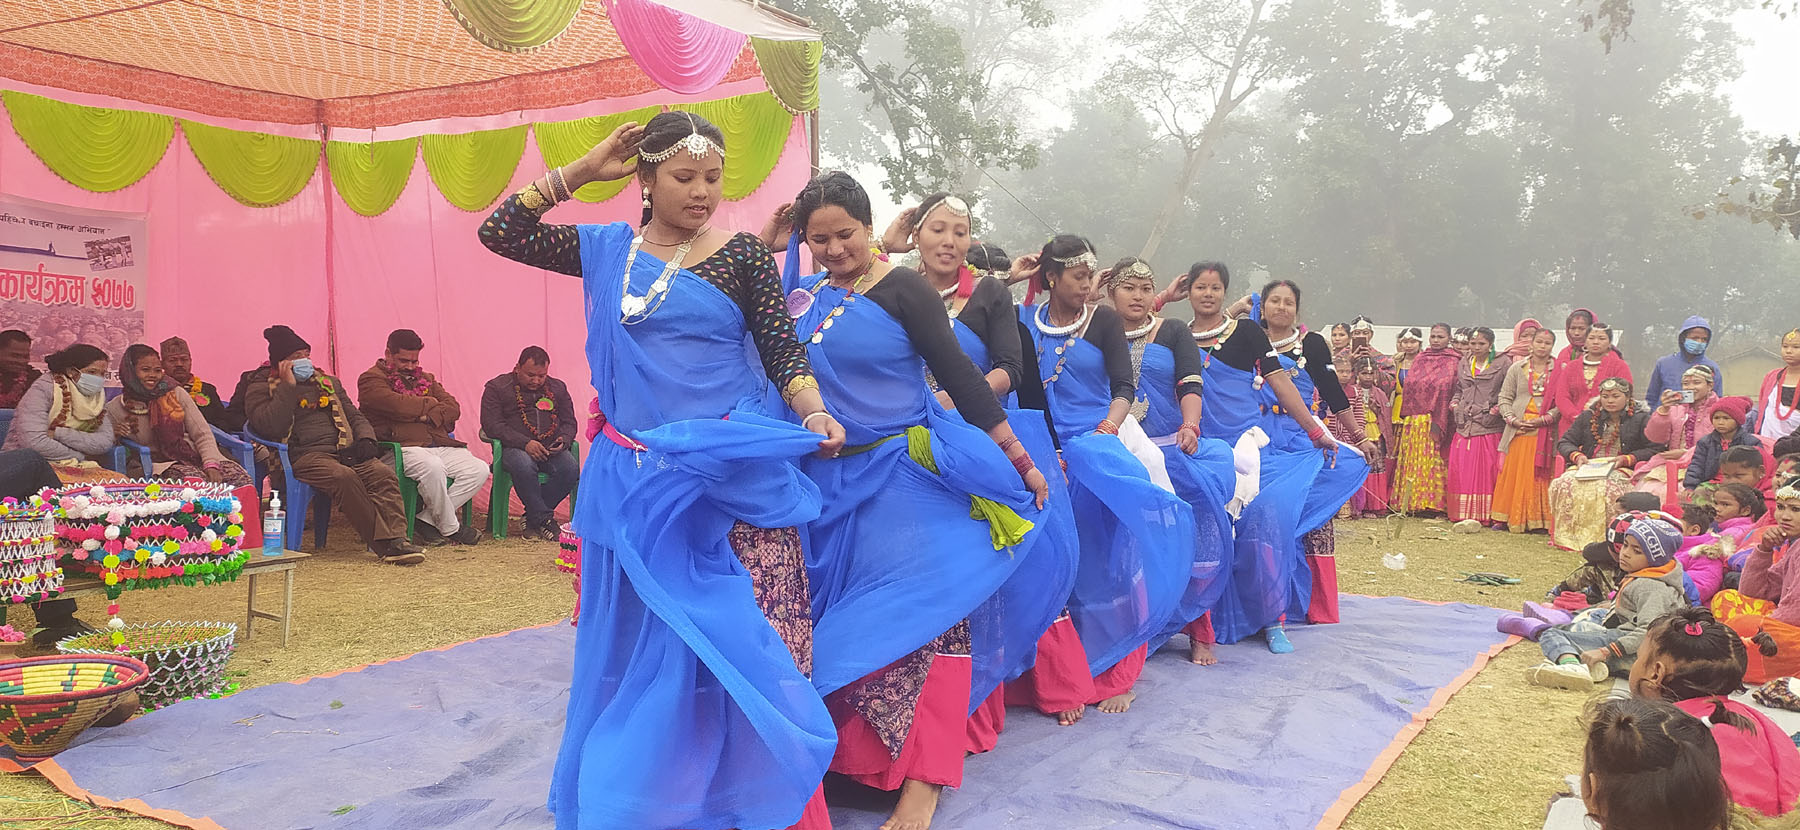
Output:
(955, 205)
(1135, 271)
(1362, 324)
(1699, 369)
(1616, 385)
(1792, 335)
(1789, 491)
(696, 145)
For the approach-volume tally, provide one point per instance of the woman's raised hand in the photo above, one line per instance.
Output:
(614, 158)
(898, 238)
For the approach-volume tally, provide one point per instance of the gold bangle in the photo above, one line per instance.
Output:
(794, 387)
(533, 199)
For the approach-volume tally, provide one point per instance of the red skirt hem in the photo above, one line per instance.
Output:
(986, 723)
(1122, 676)
(1060, 680)
(933, 750)
(1324, 605)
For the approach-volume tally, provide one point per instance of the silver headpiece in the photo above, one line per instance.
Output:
(955, 205)
(698, 146)
(1084, 258)
(1789, 491)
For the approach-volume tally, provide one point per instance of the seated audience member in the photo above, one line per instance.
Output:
(1611, 428)
(1726, 430)
(1700, 555)
(1737, 510)
(1592, 583)
(155, 412)
(1697, 663)
(330, 444)
(1651, 766)
(531, 415)
(23, 473)
(16, 372)
(1677, 423)
(1577, 658)
(1637, 502)
(63, 415)
(1766, 605)
(406, 405)
(178, 365)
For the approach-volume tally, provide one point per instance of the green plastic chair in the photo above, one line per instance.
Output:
(409, 493)
(500, 494)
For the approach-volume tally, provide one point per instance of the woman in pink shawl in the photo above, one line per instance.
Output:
(1474, 460)
(1425, 426)
(1679, 424)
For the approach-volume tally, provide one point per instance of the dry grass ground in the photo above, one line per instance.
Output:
(1491, 759)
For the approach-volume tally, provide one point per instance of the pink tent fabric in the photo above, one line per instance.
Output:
(220, 272)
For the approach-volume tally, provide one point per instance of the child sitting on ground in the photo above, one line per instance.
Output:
(1726, 416)
(1769, 576)
(1590, 584)
(1700, 554)
(1737, 510)
(1650, 766)
(1695, 662)
(1578, 659)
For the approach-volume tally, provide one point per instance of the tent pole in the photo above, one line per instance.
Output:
(331, 338)
(814, 139)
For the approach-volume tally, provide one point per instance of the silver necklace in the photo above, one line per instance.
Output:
(1210, 334)
(635, 310)
(1042, 320)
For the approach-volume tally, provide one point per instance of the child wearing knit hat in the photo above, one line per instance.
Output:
(1727, 417)
(1653, 586)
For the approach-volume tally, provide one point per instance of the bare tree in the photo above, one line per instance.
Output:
(1189, 65)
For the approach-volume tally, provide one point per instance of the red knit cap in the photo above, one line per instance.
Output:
(1738, 408)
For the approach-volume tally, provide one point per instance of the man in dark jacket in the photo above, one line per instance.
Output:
(330, 444)
(532, 417)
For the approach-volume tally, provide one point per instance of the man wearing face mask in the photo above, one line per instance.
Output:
(1690, 351)
(330, 443)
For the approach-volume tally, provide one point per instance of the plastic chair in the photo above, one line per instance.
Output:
(500, 492)
(409, 492)
(243, 451)
(122, 456)
(299, 495)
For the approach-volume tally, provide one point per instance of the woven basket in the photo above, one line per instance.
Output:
(28, 570)
(45, 702)
(185, 659)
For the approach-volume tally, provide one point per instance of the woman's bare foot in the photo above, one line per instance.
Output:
(1070, 717)
(1201, 654)
(1117, 704)
(918, 802)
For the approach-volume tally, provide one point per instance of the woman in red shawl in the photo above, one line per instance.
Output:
(1576, 326)
(1425, 426)
(1577, 381)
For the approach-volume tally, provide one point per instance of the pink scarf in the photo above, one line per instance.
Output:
(1522, 334)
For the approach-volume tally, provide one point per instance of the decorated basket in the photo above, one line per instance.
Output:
(568, 560)
(28, 569)
(147, 534)
(45, 702)
(185, 659)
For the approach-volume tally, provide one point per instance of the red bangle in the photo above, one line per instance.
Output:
(1108, 427)
(1010, 442)
(1317, 430)
(1022, 463)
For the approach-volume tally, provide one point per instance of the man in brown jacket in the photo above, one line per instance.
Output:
(330, 444)
(408, 406)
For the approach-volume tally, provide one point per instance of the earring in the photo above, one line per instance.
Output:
(646, 200)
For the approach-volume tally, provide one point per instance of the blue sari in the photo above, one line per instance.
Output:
(1338, 477)
(1057, 553)
(686, 709)
(1205, 480)
(1137, 549)
(896, 557)
(1267, 564)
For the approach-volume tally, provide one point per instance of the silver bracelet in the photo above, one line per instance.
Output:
(806, 423)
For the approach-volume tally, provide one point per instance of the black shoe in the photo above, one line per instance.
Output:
(398, 552)
(466, 537)
(548, 531)
(427, 535)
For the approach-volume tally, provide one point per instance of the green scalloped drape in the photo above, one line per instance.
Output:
(471, 169)
(561, 142)
(369, 177)
(791, 67)
(756, 128)
(90, 147)
(257, 169)
(514, 25)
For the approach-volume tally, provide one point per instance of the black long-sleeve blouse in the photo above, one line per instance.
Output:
(743, 269)
(1173, 336)
(1320, 368)
(906, 295)
(990, 313)
(1106, 330)
(1246, 348)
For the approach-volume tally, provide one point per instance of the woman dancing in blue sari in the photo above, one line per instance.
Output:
(1136, 535)
(1169, 405)
(924, 558)
(1308, 360)
(1239, 364)
(690, 704)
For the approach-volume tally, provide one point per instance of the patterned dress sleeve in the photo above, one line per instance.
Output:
(756, 287)
(519, 233)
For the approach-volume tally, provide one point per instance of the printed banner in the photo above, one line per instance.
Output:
(70, 275)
